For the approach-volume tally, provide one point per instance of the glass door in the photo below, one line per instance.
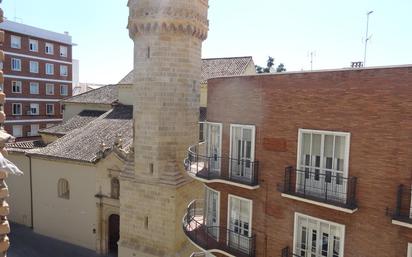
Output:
(213, 146)
(317, 239)
(212, 212)
(240, 227)
(323, 165)
(242, 152)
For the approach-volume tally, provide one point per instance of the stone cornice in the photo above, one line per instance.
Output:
(169, 20)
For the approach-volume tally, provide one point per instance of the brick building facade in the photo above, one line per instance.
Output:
(306, 164)
(38, 74)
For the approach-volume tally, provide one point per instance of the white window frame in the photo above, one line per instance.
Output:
(34, 106)
(47, 110)
(13, 64)
(218, 206)
(49, 67)
(323, 133)
(409, 250)
(49, 85)
(295, 230)
(63, 51)
(34, 67)
(17, 84)
(253, 146)
(207, 135)
(15, 42)
(12, 109)
(49, 48)
(15, 127)
(229, 208)
(64, 86)
(35, 131)
(33, 45)
(64, 70)
(34, 84)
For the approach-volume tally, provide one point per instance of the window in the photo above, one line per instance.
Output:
(49, 109)
(15, 42)
(63, 190)
(63, 51)
(34, 130)
(17, 130)
(63, 70)
(34, 88)
(64, 90)
(316, 237)
(49, 68)
(212, 207)
(34, 67)
(49, 49)
(33, 45)
(34, 109)
(213, 132)
(240, 223)
(115, 188)
(49, 89)
(16, 109)
(242, 151)
(16, 86)
(15, 64)
(323, 163)
(409, 250)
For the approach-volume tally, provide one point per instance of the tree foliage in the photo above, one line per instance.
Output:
(269, 64)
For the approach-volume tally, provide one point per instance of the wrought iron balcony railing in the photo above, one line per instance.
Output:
(403, 210)
(215, 237)
(212, 166)
(321, 186)
(286, 252)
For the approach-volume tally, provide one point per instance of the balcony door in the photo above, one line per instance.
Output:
(212, 212)
(240, 223)
(214, 146)
(242, 151)
(317, 238)
(323, 164)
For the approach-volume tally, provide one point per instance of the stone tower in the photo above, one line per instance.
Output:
(168, 36)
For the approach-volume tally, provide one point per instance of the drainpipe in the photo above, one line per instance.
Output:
(31, 194)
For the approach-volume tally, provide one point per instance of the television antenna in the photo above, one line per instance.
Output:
(367, 38)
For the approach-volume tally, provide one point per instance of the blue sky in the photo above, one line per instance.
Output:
(286, 30)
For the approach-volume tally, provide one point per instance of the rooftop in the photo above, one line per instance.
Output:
(223, 67)
(211, 68)
(83, 144)
(35, 32)
(77, 121)
(102, 95)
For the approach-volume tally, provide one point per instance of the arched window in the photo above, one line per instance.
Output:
(63, 189)
(115, 185)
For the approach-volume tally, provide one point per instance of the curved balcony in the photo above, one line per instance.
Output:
(213, 238)
(214, 168)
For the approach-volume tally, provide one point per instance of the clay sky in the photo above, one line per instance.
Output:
(287, 30)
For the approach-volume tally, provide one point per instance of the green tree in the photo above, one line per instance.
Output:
(269, 64)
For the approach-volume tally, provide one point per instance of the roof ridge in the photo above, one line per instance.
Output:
(90, 91)
(234, 57)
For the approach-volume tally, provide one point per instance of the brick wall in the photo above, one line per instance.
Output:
(373, 105)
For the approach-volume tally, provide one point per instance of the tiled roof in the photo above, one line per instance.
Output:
(83, 144)
(128, 79)
(212, 68)
(103, 95)
(23, 146)
(78, 121)
(223, 67)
